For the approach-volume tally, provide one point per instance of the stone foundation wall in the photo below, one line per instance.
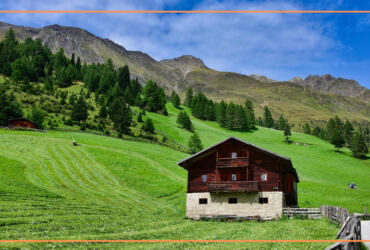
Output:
(248, 205)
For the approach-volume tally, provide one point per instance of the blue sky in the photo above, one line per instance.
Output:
(280, 46)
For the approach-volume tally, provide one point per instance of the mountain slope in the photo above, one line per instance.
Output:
(296, 101)
(330, 84)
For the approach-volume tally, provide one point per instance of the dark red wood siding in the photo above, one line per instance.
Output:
(24, 123)
(253, 163)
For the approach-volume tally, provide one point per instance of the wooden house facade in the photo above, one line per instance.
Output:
(236, 178)
(21, 123)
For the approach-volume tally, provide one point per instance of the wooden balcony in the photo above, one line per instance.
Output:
(232, 162)
(233, 186)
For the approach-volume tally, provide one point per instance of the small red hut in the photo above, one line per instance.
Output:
(238, 179)
(21, 123)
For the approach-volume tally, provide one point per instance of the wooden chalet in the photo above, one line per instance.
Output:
(236, 178)
(21, 123)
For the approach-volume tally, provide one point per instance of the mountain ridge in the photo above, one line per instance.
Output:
(297, 100)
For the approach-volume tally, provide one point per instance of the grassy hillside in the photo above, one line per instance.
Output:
(113, 189)
(297, 103)
(324, 173)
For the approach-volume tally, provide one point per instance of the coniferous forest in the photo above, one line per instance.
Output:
(110, 99)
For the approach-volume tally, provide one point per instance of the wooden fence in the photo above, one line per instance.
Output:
(310, 213)
(350, 227)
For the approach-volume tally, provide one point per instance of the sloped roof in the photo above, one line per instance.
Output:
(204, 152)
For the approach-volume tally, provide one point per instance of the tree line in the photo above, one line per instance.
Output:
(343, 134)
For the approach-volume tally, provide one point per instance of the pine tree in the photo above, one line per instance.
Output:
(140, 117)
(287, 132)
(358, 146)
(337, 139)
(8, 52)
(307, 128)
(175, 99)
(188, 97)
(231, 116)
(251, 118)
(268, 121)
(221, 109)
(281, 123)
(60, 60)
(123, 78)
(120, 114)
(154, 97)
(183, 120)
(9, 107)
(48, 84)
(195, 144)
(348, 132)
(103, 111)
(149, 126)
(79, 110)
(37, 116)
(73, 62)
(316, 131)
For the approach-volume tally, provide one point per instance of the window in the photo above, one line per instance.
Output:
(233, 177)
(264, 177)
(234, 155)
(204, 178)
(263, 200)
(233, 200)
(203, 201)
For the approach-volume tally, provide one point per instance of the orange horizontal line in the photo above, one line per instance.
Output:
(184, 11)
(174, 241)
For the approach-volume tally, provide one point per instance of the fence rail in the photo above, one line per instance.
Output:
(311, 213)
(350, 227)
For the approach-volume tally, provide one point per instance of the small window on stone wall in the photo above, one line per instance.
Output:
(263, 200)
(203, 201)
(233, 200)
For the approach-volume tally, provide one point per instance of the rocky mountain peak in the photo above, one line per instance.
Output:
(262, 78)
(185, 64)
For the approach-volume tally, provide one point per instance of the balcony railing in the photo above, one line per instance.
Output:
(232, 162)
(233, 186)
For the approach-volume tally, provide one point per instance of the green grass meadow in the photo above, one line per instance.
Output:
(112, 188)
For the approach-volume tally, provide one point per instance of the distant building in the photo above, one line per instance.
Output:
(237, 179)
(22, 123)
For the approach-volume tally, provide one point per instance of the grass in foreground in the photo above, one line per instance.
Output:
(114, 189)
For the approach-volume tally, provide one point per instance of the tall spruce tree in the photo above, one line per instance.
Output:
(337, 139)
(251, 118)
(154, 97)
(268, 121)
(195, 144)
(79, 110)
(358, 145)
(175, 99)
(9, 107)
(307, 128)
(148, 126)
(123, 77)
(348, 132)
(120, 114)
(281, 123)
(188, 97)
(287, 132)
(183, 120)
(37, 116)
(221, 109)
(8, 52)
